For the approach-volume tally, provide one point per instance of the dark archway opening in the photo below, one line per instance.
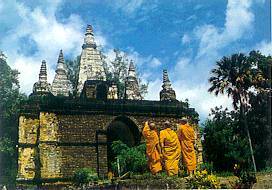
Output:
(125, 130)
(101, 91)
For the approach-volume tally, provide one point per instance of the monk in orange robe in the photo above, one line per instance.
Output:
(187, 138)
(153, 150)
(170, 149)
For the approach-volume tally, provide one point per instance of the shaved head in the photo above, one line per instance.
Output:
(152, 125)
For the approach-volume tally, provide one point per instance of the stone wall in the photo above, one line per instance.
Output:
(55, 145)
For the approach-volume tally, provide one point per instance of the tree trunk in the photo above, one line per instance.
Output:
(248, 136)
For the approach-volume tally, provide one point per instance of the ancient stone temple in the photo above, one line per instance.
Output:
(60, 134)
(61, 84)
(91, 64)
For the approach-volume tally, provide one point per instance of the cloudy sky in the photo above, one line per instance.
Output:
(186, 37)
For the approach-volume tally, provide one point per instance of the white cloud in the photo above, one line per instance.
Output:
(155, 62)
(199, 98)
(46, 34)
(29, 72)
(186, 39)
(190, 75)
(154, 89)
(265, 48)
(182, 64)
(127, 6)
(238, 22)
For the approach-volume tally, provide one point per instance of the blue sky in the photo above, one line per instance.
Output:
(186, 37)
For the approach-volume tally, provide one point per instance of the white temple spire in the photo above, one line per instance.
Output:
(91, 64)
(61, 84)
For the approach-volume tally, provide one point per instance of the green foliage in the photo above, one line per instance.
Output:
(245, 179)
(225, 143)
(233, 76)
(116, 71)
(202, 180)
(84, 176)
(131, 159)
(208, 166)
(247, 79)
(6, 146)
(9, 111)
(73, 71)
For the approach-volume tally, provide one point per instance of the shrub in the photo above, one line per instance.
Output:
(202, 180)
(246, 179)
(131, 159)
(208, 166)
(84, 176)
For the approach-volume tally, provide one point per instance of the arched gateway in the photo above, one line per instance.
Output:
(124, 129)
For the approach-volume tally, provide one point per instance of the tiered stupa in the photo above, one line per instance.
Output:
(42, 86)
(91, 64)
(61, 84)
(167, 93)
(132, 85)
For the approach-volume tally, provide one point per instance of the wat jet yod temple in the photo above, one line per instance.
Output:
(61, 132)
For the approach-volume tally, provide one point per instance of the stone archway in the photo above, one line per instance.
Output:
(124, 129)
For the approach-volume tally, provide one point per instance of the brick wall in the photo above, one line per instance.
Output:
(55, 145)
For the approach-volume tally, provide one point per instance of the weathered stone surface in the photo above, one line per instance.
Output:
(81, 128)
(28, 130)
(91, 64)
(48, 127)
(26, 163)
(42, 86)
(61, 85)
(132, 85)
(51, 162)
(167, 93)
(77, 157)
(69, 142)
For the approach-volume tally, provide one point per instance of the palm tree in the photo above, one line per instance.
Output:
(233, 76)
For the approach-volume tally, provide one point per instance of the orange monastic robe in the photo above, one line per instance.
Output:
(152, 140)
(186, 135)
(170, 150)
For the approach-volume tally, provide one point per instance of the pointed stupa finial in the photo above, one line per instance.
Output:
(89, 29)
(89, 38)
(131, 70)
(165, 76)
(61, 58)
(131, 66)
(42, 86)
(43, 72)
(61, 84)
(60, 64)
(166, 82)
(167, 93)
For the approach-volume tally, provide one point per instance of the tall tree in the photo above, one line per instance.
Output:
(224, 141)
(234, 76)
(9, 110)
(73, 71)
(117, 71)
(261, 101)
